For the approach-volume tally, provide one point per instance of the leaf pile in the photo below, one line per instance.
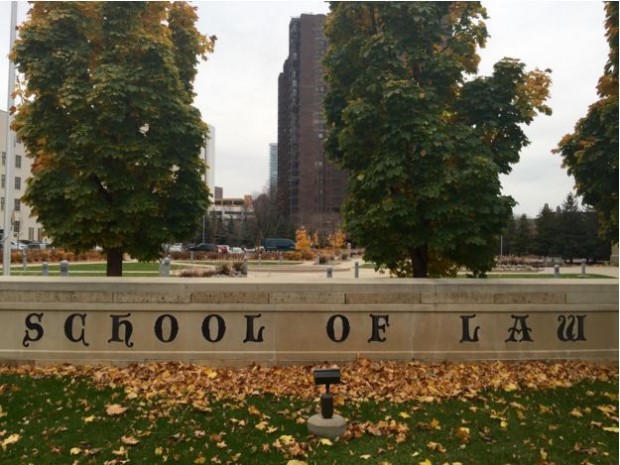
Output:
(174, 382)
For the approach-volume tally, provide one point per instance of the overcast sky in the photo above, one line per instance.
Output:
(238, 86)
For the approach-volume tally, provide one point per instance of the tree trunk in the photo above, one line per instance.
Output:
(114, 262)
(419, 260)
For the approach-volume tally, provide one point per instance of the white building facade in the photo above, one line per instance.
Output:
(25, 225)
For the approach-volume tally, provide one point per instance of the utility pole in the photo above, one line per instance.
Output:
(9, 182)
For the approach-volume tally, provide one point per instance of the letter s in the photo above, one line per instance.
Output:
(33, 326)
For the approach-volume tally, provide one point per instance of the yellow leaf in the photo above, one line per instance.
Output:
(89, 419)
(611, 429)
(12, 439)
(211, 374)
(365, 456)
(221, 445)
(75, 451)
(463, 434)
(200, 460)
(326, 442)
(426, 462)
(296, 462)
(404, 415)
(121, 451)
(510, 387)
(435, 424)
(286, 439)
(159, 450)
(503, 425)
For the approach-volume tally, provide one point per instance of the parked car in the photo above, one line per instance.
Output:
(223, 248)
(177, 247)
(279, 244)
(235, 250)
(203, 247)
(16, 245)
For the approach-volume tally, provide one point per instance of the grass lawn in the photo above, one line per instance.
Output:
(398, 413)
(130, 269)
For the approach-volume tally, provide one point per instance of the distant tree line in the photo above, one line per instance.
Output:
(569, 232)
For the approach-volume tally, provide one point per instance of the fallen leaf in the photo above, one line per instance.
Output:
(12, 439)
(576, 413)
(89, 419)
(426, 462)
(404, 415)
(296, 462)
(200, 460)
(325, 442)
(115, 409)
(129, 440)
(435, 446)
(365, 456)
(611, 429)
(75, 451)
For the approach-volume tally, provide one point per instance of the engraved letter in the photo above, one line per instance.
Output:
(249, 329)
(519, 327)
(159, 328)
(32, 326)
(466, 337)
(69, 328)
(376, 327)
(566, 332)
(117, 323)
(346, 328)
(221, 328)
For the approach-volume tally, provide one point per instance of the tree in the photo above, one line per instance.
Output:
(572, 230)
(547, 233)
(424, 146)
(522, 244)
(590, 153)
(109, 122)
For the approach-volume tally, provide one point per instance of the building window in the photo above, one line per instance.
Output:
(3, 158)
(2, 183)
(31, 234)
(18, 205)
(16, 226)
(18, 183)
(18, 161)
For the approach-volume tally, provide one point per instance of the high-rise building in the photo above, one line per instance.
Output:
(25, 225)
(310, 188)
(273, 166)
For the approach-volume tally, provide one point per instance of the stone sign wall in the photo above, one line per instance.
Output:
(231, 321)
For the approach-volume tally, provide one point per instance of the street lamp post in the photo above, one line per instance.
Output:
(9, 183)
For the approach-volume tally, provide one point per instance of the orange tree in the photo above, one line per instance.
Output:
(109, 122)
(424, 145)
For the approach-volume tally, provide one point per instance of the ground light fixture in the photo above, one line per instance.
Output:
(327, 424)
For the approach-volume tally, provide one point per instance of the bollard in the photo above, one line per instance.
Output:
(161, 267)
(166, 266)
(24, 260)
(64, 268)
(191, 256)
(556, 271)
(45, 269)
(329, 271)
(244, 267)
(583, 268)
(357, 269)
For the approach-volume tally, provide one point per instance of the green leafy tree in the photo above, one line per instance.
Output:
(109, 122)
(572, 230)
(590, 153)
(424, 145)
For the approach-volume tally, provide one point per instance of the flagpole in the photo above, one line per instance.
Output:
(9, 182)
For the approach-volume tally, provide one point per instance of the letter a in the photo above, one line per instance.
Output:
(519, 327)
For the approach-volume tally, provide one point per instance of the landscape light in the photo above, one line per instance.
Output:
(327, 377)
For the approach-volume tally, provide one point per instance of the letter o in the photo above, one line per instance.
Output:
(221, 328)
(159, 328)
(331, 331)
